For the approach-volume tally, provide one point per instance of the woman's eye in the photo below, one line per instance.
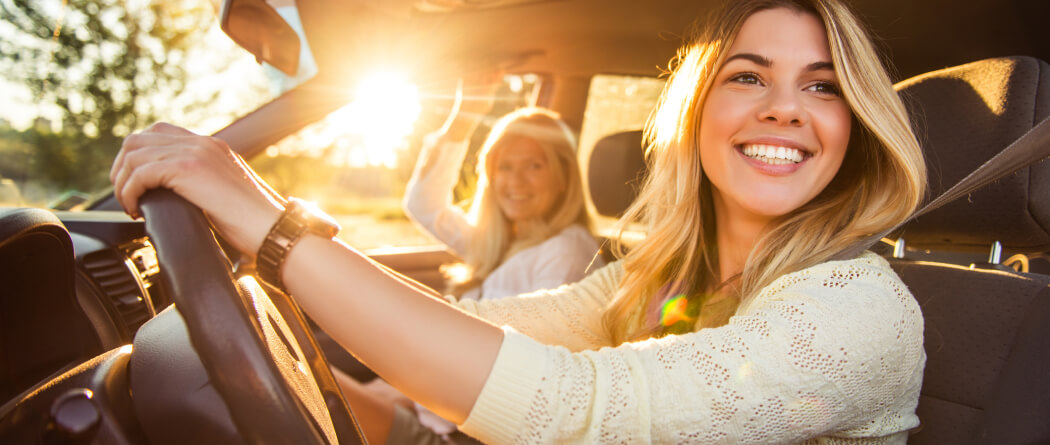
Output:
(825, 88)
(746, 79)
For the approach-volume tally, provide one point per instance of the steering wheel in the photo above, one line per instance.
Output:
(257, 351)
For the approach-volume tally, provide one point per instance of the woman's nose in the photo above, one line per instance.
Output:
(521, 175)
(514, 176)
(783, 106)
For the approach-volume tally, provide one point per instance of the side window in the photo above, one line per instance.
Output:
(614, 104)
(78, 77)
(356, 162)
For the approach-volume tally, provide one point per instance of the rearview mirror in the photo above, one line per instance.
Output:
(258, 28)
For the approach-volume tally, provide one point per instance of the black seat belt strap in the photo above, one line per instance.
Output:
(1026, 150)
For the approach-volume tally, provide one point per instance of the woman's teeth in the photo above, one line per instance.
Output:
(772, 154)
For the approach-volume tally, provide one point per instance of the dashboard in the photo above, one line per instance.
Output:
(117, 273)
(74, 285)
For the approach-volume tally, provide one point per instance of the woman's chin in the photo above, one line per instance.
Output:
(773, 207)
(525, 227)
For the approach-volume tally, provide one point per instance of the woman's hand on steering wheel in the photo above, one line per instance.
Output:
(203, 170)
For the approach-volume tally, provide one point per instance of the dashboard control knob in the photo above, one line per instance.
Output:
(75, 418)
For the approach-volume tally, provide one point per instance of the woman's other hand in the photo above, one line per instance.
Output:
(475, 97)
(202, 170)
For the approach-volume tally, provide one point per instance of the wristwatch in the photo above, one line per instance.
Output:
(299, 218)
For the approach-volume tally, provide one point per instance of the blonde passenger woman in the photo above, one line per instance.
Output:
(778, 143)
(527, 227)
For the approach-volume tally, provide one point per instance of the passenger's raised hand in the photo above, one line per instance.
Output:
(203, 170)
(475, 97)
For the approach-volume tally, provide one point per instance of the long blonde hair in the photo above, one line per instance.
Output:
(496, 241)
(881, 181)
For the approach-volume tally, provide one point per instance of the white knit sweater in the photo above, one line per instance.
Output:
(830, 354)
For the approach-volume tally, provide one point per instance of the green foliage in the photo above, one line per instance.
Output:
(107, 66)
(15, 155)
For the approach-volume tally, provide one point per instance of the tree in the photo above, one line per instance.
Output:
(108, 66)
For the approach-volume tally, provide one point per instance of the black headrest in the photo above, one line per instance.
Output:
(965, 115)
(615, 171)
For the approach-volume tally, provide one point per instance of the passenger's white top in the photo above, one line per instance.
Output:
(561, 259)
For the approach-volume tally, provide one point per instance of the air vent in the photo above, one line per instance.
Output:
(118, 278)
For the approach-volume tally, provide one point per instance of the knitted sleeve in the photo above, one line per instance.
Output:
(568, 316)
(428, 195)
(831, 354)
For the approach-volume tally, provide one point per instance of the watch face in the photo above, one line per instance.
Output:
(315, 220)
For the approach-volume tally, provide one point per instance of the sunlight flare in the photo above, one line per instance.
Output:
(382, 114)
(367, 132)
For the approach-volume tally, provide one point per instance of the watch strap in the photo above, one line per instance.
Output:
(297, 219)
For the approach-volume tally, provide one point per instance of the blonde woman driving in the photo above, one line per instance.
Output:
(778, 143)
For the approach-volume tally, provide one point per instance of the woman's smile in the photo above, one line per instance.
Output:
(516, 200)
(774, 156)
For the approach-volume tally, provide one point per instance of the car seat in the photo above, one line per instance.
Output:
(987, 337)
(987, 334)
(615, 171)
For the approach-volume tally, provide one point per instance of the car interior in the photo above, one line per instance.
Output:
(93, 350)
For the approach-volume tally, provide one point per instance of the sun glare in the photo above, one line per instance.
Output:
(384, 109)
(387, 93)
(367, 132)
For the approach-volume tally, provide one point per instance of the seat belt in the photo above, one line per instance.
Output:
(1030, 148)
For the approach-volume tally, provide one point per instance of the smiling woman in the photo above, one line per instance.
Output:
(829, 351)
(783, 343)
(526, 227)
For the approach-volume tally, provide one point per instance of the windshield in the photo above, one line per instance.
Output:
(77, 77)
